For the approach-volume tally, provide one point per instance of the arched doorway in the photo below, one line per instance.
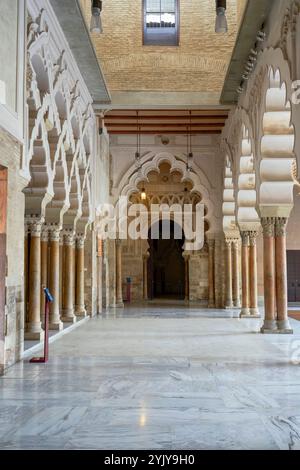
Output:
(166, 267)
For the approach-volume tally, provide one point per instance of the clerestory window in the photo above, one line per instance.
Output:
(161, 22)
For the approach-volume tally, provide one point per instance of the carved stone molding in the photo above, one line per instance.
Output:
(69, 236)
(54, 232)
(80, 240)
(253, 238)
(280, 227)
(245, 238)
(268, 225)
(34, 224)
(45, 234)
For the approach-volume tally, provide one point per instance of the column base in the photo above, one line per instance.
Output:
(255, 313)
(34, 335)
(229, 307)
(68, 317)
(211, 306)
(269, 327)
(284, 327)
(80, 312)
(237, 304)
(245, 312)
(56, 326)
(119, 305)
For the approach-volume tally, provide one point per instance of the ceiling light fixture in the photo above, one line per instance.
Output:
(143, 195)
(190, 156)
(96, 21)
(138, 144)
(221, 20)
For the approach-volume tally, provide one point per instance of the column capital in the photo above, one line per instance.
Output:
(228, 242)
(280, 226)
(245, 235)
(80, 239)
(45, 234)
(268, 225)
(235, 243)
(253, 237)
(68, 235)
(54, 232)
(34, 224)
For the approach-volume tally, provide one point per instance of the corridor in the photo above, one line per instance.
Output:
(160, 375)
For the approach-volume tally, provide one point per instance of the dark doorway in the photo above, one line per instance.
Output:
(293, 263)
(3, 218)
(166, 264)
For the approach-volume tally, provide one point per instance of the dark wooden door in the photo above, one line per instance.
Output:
(3, 218)
(293, 263)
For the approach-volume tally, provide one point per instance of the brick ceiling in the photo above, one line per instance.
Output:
(198, 65)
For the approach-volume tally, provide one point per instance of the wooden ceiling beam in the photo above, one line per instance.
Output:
(157, 132)
(164, 126)
(116, 117)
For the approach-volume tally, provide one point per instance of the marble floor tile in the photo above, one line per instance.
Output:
(153, 376)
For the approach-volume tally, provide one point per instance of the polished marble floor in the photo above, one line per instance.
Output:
(158, 376)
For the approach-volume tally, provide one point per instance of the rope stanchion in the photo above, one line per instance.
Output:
(44, 359)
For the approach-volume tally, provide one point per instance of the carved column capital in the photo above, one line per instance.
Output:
(54, 232)
(245, 238)
(228, 242)
(268, 225)
(280, 226)
(80, 239)
(235, 243)
(34, 224)
(253, 238)
(45, 234)
(68, 237)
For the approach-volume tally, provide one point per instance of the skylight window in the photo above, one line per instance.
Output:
(161, 22)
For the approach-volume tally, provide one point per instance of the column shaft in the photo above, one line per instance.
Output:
(254, 311)
(119, 293)
(236, 275)
(245, 312)
(44, 269)
(54, 279)
(211, 274)
(229, 303)
(269, 275)
(145, 277)
(100, 275)
(187, 278)
(80, 305)
(68, 291)
(33, 327)
(283, 323)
